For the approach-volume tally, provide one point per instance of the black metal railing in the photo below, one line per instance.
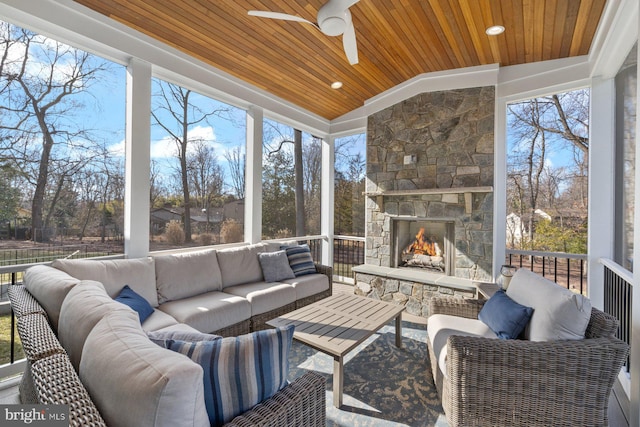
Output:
(618, 293)
(347, 253)
(567, 270)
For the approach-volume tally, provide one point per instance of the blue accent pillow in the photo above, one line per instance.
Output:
(240, 372)
(129, 297)
(504, 316)
(300, 259)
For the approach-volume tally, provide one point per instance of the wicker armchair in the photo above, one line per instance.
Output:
(492, 382)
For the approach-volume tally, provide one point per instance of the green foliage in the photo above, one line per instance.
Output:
(554, 238)
(278, 195)
(9, 198)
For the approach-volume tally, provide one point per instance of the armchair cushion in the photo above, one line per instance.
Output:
(504, 316)
(558, 313)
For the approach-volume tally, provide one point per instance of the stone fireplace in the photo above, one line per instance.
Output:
(429, 168)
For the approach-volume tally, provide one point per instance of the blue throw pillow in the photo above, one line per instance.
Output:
(128, 296)
(240, 372)
(504, 316)
(300, 259)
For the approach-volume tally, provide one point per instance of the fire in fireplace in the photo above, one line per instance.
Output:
(424, 252)
(423, 243)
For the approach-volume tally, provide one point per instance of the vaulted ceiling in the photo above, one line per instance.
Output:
(397, 40)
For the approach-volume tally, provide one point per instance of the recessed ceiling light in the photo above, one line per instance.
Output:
(336, 85)
(494, 30)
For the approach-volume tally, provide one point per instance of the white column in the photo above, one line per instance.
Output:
(137, 162)
(327, 198)
(499, 186)
(253, 180)
(634, 415)
(602, 162)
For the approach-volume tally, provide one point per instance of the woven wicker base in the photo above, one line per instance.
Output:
(239, 328)
(258, 322)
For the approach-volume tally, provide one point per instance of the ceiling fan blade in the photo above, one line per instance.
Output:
(350, 45)
(278, 15)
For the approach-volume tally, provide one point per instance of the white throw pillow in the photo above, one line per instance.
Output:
(558, 313)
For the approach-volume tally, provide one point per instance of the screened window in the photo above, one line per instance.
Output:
(350, 173)
(197, 169)
(291, 175)
(61, 140)
(626, 101)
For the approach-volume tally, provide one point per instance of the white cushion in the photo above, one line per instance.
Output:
(81, 310)
(135, 382)
(50, 287)
(139, 274)
(441, 326)
(187, 274)
(308, 284)
(240, 265)
(558, 313)
(264, 296)
(209, 312)
(158, 320)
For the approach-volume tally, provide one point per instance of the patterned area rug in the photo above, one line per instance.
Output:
(383, 385)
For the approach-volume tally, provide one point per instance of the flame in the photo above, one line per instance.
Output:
(423, 245)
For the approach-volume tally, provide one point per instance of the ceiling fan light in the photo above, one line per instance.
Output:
(333, 26)
(494, 30)
(336, 85)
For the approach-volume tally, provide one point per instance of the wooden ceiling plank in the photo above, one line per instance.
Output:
(464, 34)
(560, 19)
(476, 30)
(538, 29)
(548, 30)
(569, 24)
(529, 31)
(516, 27)
(592, 25)
(444, 21)
(437, 40)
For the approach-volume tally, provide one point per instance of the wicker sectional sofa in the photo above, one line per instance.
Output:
(91, 352)
(533, 380)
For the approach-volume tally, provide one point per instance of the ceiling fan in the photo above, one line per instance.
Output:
(333, 19)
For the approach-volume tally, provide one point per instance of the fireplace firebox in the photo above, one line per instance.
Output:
(423, 243)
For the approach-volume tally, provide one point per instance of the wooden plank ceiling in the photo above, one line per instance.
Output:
(397, 40)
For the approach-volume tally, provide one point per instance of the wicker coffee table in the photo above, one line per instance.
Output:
(338, 324)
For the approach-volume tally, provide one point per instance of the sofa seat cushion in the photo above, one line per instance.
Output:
(138, 273)
(264, 296)
(441, 326)
(209, 312)
(135, 382)
(240, 372)
(187, 274)
(49, 287)
(81, 310)
(158, 320)
(308, 285)
(558, 313)
(240, 265)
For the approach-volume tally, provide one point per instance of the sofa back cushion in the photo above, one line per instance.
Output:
(558, 313)
(187, 274)
(138, 273)
(241, 265)
(49, 287)
(135, 382)
(81, 310)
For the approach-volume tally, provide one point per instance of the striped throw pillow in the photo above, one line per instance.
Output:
(240, 372)
(300, 259)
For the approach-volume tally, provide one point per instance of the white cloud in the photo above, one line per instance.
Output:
(166, 147)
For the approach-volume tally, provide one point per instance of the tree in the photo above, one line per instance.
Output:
(176, 114)
(205, 175)
(539, 126)
(40, 98)
(236, 160)
(278, 195)
(9, 196)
